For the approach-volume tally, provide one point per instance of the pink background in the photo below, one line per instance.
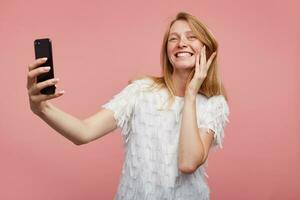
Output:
(99, 45)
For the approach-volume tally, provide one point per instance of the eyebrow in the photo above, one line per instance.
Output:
(175, 33)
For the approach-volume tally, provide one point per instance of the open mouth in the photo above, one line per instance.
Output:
(183, 54)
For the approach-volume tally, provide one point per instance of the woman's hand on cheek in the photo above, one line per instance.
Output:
(201, 69)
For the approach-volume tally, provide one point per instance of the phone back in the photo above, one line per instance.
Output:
(43, 48)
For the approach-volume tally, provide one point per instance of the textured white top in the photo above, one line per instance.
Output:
(151, 136)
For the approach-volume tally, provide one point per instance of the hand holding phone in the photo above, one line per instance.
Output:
(43, 48)
(40, 80)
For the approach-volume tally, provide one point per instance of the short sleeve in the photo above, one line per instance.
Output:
(215, 118)
(122, 104)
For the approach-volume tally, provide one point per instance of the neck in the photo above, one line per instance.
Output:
(179, 80)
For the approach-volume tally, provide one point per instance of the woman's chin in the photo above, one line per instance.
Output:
(184, 66)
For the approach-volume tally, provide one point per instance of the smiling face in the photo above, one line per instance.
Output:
(182, 45)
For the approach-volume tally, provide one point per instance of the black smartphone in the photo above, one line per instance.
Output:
(43, 48)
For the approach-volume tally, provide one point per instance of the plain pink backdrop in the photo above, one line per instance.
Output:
(99, 45)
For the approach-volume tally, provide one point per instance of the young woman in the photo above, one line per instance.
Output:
(168, 123)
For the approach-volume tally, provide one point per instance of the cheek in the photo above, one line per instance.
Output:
(169, 50)
(197, 46)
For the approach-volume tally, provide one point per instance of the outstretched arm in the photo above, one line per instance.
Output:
(76, 130)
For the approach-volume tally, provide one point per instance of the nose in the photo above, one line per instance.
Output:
(182, 42)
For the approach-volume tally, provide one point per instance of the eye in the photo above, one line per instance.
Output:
(172, 39)
(192, 37)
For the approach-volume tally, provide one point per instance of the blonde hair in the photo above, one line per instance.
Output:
(212, 84)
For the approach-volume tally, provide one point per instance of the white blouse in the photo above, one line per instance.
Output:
(151, 135)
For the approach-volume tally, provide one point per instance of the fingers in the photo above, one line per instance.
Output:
(197, 65)
(35, 72)
(203, 56)
(36, 88)
(43, 97)
(36, 63)
(31, 76)
(213, 55)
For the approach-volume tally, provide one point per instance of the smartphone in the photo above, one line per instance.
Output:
(43, 48)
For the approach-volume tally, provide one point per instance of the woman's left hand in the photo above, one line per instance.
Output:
(201, 69)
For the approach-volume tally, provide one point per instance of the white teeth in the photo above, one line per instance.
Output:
(183, 54)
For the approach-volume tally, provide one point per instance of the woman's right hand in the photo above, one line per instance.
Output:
(37, 100)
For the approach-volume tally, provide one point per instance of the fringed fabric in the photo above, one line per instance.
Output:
(122, 104)
(151, 135)
(214, 118)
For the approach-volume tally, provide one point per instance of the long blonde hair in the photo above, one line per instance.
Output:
(212, 84)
